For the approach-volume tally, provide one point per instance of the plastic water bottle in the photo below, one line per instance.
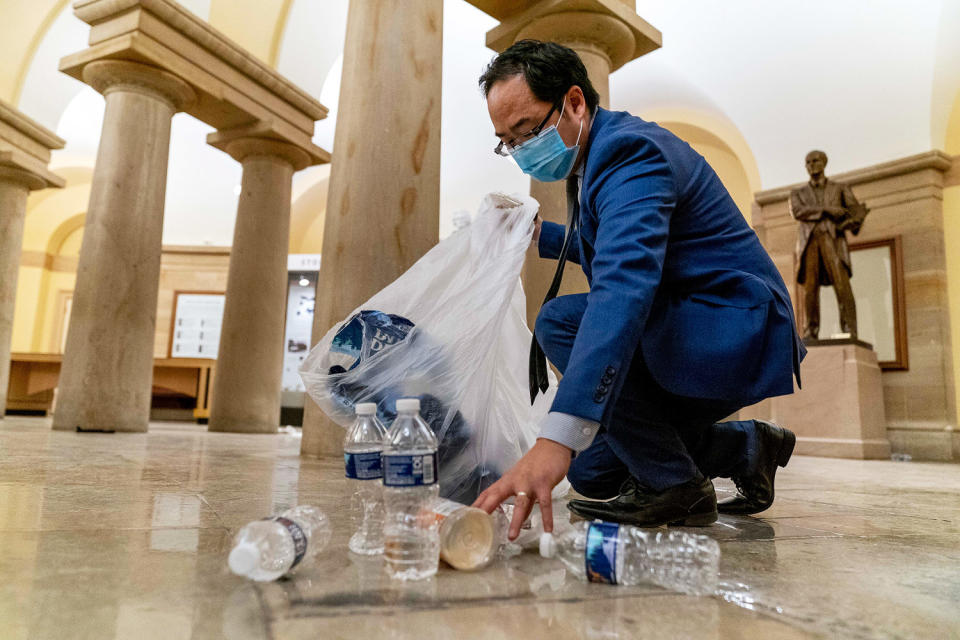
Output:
(361, 460)
(620, 554)
(469, 538)
(266, 549)
(411, 542)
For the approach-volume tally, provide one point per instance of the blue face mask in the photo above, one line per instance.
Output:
(546, 157)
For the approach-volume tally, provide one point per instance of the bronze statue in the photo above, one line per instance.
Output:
(826, 210)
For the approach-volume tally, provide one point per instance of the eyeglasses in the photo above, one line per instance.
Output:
(504, 148)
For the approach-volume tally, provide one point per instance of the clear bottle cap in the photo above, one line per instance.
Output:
(408, 404)
(366, 409)
(548, 545)
(243, 559)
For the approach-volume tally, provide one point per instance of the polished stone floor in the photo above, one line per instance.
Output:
(126, 535)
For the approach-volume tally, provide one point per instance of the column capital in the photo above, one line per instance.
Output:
(598, 32)
(107, 76)
(243, 148)
(25, 147)
(258, 140)
(27, 179)
(608, 27)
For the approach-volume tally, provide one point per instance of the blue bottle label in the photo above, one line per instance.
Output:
(409, 470)
(363, 466)
(601, 552)
(299, 538)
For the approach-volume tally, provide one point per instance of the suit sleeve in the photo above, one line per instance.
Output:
(633, 194)
(551, 242)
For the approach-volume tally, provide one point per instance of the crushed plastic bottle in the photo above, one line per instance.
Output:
(266, 549)
(469, 537)
(410, 535)
(362, 447)
(620, 554)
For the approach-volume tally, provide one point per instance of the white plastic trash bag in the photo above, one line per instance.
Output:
(451, 331)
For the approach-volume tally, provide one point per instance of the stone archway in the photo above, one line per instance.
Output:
(307, 217)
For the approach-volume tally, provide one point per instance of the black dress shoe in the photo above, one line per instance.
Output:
(692, 504)
(774, 448)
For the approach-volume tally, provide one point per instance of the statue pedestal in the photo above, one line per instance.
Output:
(839, 412)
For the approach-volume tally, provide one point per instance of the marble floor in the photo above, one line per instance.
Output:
(126, 536)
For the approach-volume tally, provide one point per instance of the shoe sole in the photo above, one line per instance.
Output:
(699, 520)
(695, 520)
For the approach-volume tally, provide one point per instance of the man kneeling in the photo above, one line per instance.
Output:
(687, 319)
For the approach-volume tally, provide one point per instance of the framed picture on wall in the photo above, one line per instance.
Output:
(195, 331)
(877, 284)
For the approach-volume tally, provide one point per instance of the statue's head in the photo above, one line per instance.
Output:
(816, 163)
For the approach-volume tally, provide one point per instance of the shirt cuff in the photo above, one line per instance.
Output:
(569, 430)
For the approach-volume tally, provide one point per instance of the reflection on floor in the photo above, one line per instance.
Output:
(125, 536)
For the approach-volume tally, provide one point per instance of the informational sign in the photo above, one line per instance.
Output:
(196, 325)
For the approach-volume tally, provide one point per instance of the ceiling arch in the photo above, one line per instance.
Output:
(25, 25)
(307, 216)
(45, 218)
(66, 231)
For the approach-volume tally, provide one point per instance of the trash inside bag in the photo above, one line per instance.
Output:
(452, 332)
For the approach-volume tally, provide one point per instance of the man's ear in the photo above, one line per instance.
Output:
(578, 101)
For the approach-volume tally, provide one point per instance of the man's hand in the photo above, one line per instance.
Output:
(537, 223)
(532, 479)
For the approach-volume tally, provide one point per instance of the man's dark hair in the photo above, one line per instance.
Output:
(550, 69)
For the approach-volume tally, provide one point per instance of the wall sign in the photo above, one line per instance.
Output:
(196, 325)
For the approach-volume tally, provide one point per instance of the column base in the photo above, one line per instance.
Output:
(226, 425)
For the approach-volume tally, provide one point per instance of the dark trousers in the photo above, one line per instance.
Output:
(821, 255)
(659, 438)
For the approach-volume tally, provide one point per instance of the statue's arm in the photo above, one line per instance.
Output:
(849, 200)
(855, 211)
(841, 211)
(801, 212)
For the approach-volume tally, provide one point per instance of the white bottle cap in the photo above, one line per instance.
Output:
(243, 559)
(408, 404)
(548, 545)
(366, 408)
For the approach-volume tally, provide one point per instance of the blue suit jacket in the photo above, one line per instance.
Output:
(674, 270)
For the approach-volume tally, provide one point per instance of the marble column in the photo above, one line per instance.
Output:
(603, 43)
(383, 205)
(105, 380)
(25, 148)
(15, 185)
(247, 384)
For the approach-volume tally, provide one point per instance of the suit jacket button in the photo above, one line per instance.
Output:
(598, 397)
(610, 371)
(606, 379)
(602, 389)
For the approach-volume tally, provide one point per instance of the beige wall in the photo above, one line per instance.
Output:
(47, 280)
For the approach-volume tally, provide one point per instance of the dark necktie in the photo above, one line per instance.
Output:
(538, 361)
